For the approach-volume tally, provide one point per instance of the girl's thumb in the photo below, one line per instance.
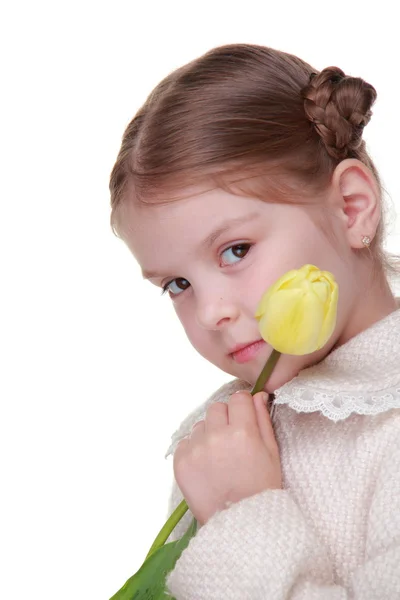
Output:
(264, 419)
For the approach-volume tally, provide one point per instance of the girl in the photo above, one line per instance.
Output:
(240, 166)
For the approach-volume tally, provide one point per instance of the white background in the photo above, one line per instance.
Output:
(95, 371)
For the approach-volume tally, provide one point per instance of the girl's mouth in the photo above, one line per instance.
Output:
(243, 353)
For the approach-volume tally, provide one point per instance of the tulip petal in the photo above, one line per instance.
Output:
(261, 308)
(293, 322)
(322, 289)
(297, 314)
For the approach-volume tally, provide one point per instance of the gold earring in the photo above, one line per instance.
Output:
(366, 241)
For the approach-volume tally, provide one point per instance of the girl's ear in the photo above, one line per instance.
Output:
(357, 192)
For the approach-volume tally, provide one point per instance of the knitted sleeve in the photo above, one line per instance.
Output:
(262, 548)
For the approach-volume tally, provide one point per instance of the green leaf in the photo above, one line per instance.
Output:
(149, 582)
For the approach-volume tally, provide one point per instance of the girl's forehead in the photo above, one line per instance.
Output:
(194, 218)
(188, 222)
(200, 217)
(197, 209)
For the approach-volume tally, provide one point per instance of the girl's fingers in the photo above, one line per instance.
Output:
(197, 431)
(216, 416)
(264, 420)
(180, 450)
(241, 411)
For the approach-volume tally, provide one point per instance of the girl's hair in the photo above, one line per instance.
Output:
(251, 120)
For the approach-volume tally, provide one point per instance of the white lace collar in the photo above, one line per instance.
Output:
(362, 376)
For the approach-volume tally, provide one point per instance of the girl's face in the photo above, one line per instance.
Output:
(215, 254)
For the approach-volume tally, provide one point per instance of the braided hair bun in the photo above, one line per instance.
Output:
(339, 107)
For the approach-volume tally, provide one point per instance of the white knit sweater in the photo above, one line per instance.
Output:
(333, 532)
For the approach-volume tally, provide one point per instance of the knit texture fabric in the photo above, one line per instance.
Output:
(333, 531)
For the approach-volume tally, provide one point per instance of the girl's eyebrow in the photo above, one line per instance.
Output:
(212, 237)
(228, 224)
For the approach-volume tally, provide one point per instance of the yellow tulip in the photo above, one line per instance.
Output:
(297, 315)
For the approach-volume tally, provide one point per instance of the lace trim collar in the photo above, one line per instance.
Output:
(340, 405)
(362, 376)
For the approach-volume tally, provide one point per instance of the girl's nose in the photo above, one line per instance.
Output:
(216, 314)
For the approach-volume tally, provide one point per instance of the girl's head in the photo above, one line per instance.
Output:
(241, 165)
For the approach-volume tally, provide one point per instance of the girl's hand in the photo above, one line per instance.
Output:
(232, 454)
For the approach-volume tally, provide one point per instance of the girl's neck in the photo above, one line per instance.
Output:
(375, 303)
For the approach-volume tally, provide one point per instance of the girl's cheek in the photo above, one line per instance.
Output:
(180, 301)
(184, 313)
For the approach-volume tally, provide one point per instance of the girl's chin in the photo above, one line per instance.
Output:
(285, 370)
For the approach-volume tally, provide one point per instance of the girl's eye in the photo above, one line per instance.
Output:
(231, 255)
(234, 254)
(176, 286)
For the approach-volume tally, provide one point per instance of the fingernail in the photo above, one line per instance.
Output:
(264, 397)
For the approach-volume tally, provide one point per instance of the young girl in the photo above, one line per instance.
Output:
(240, 166)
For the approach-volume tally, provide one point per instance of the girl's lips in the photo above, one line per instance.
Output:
(247, 352)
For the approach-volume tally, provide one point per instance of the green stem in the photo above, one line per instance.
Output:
(266, 372)
(168, 527)
(183, 507)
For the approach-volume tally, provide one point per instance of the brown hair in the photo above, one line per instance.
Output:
(249, 110)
